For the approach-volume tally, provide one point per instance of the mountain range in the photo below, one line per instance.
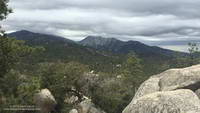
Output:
(96, 51)
(97, 42)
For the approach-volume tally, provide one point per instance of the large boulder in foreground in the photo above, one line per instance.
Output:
(179, 101)
(184, 78)
(188, 78)
(168, 83)
(45, 101)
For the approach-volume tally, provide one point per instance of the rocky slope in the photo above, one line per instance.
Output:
(173, 91)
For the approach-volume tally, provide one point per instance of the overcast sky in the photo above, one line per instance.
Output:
(165, 23)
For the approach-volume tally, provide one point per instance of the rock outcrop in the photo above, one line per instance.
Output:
(45, 101)
(74, 111)
(86, 106)
(173, 91)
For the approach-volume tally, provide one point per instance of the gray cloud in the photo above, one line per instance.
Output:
(185, 8)
(155, 22)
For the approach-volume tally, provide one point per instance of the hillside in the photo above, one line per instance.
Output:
(59, 48)
(153, 58)
(101, 54)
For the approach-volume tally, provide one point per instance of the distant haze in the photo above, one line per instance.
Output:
(166, 23)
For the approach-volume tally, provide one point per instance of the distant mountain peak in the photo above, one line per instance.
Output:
(24, 32)
(99, 38)
(94, 37)
(97, 41)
